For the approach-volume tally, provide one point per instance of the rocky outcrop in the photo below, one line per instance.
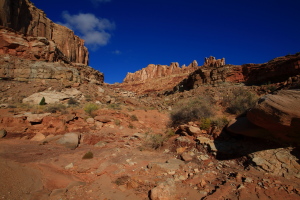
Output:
(24, 18)
(213, 62)
(153, 71)
(33, 48)
(277, 70)
(275, 117)
(15, 68)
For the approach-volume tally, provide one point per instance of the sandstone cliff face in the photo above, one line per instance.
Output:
(18, 69)
(32, 47)
(156, 71)
(23, 17)
(215, 72)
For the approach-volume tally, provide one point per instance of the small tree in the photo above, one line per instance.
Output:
(43, 101)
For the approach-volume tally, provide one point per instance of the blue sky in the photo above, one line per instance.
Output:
(127, 35)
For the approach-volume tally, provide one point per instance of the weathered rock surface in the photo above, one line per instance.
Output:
(213, 62)
(23, 17)
(52, 97)
(3, 133)
(215, 72)
(279, 114)
(279, 162)
(156, 71)
(70, 140)
(33, 48)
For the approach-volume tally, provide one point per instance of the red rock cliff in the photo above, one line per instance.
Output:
(23, 17)
(156, 71)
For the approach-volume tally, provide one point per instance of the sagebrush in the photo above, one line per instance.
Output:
(191, 110)
(239, 100)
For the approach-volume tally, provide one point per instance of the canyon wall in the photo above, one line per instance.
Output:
(32, 47)
(157, 71)
(23, 17)
(216, 72)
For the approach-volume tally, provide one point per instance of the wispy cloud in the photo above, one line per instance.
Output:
(95, 31)
(117, 52)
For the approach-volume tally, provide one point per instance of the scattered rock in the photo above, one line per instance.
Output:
(164, 191)
(38, 137)
(3, 133)
(69, 166)
(70, 140)
(186, 156)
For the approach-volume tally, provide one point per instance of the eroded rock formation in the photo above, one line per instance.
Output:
(23, 17)
(32, 47)
(153, 71)
(282, 69)
(213, 62)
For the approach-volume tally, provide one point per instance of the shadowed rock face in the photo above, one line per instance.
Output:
(274, 117)
(23, 17)
(215, 71)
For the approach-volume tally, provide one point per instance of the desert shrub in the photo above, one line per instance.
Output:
(155, 141)
(122, 180)
(72, 101)
(220, 122)
(117, 122)
(114, 106)
(88, 155)
(133, 118)
(90, 108)
(170, 132)
(42, 102)
(239, 101)
(130, 126)
(56, 108)
(191, 110)
(205, 123)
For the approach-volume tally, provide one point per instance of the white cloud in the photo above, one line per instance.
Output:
(95, 31)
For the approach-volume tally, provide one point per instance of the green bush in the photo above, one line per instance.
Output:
(42, 102)
(90, 108)
(239, 101)
(191, 110)
(156, 141)
(133, 118)
(220, 122)
(205, 123)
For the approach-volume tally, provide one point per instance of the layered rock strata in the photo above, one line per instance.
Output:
(23, 17)
(282, 69)
(32, 47)
(153, 71)
(18, 69)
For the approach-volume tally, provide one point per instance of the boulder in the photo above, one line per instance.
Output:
(279, 114)
(36, 118)
(3, 133)
(70, 140)
(38, 137)
(52, 97)
(164, 191)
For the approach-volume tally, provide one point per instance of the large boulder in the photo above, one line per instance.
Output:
(70, 140)
(3, 133)
(52, 97)
(279, 114)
